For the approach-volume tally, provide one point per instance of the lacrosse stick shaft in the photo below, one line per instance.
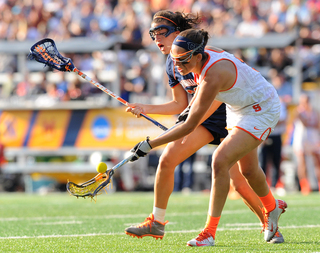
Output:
(123, 162)
(110, 93)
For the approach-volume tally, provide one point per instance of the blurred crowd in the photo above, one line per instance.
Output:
(33, 20)
(141, 72)
(61, 19)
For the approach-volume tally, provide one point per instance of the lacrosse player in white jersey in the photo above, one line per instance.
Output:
(253, 109)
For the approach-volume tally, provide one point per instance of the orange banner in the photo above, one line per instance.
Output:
(13, 127)
(49, 129)
(99, 128)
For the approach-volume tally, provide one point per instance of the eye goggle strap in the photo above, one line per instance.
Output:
(188, 45)
(187, 59)
(170, 29)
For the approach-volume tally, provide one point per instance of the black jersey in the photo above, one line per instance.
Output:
(216, 123)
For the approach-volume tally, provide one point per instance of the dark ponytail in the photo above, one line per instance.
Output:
(196, 35)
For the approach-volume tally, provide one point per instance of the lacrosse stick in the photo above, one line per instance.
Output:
(92, 187)
(46, 52)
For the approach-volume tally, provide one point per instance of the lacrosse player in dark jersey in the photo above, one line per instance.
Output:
(165, 27)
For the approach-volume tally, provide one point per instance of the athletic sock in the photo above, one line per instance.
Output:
(268, 202)
(159, 214)
(212, 224)
(304, 185)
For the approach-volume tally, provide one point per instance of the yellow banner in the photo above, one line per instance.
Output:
(115, 128)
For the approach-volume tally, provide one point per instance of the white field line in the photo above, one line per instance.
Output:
(116, 216)
(58, 223)
(121, 216)
(122, 233)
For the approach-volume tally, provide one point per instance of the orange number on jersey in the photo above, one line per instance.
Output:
(256, 108)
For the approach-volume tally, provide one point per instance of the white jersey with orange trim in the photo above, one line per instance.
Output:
(252, 102)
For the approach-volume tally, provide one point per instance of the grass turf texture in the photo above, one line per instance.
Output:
(62, 223)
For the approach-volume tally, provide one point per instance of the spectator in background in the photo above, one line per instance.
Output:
(7, 86)
(24, 86)
(183, 175)
(283, 87)
(138, 79)
(306, 141)
(271, 149)
(251, 26)
(62, 83)
(41, 87)
(234, 17)
(53, 91)
(279, 60)
(74, 91)
(125, 88)
(277, 16)
(297, 14)
(262, 57)
(61, 20)
(132, 32)
(270, 152)
(2, 161)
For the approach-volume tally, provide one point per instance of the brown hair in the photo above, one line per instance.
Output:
(182, 21)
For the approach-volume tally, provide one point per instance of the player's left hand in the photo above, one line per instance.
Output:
(184, 115)
(140, 150)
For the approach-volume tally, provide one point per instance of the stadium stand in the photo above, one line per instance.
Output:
(109, 41)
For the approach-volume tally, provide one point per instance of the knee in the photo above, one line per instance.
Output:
(218, 168)
(247, 173)
(166, 164)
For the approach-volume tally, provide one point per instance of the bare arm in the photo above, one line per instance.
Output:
(219, 77)
(214, 106)
(177, 105)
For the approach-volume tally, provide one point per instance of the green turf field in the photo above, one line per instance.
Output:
(62, 223)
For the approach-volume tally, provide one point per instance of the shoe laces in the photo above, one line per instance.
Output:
(277, 234)
(266, 221)
(282, 205)
(204, 234)
(266, 216)
(148, 222)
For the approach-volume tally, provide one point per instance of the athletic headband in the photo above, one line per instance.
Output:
(188, 44)
(166, 19)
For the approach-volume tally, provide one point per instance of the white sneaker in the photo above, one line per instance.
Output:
(203, 239)
(277, 238)
(271, 219)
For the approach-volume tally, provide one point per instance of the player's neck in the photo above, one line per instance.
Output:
(200, 64)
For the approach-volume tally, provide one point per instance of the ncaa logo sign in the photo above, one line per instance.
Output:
(101, 128)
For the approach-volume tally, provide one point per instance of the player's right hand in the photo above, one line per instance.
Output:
(135, 109)
(140, 150)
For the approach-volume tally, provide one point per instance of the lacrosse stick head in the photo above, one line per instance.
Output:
(46, 52)
(92, 187)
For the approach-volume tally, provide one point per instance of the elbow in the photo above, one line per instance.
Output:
(189, 128)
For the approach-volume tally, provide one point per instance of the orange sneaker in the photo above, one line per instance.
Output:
(150, 227)
(203, 239)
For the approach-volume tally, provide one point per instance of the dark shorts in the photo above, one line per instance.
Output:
(216, 125)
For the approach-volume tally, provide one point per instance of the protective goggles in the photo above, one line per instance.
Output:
(185, 57)
(155, 31)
